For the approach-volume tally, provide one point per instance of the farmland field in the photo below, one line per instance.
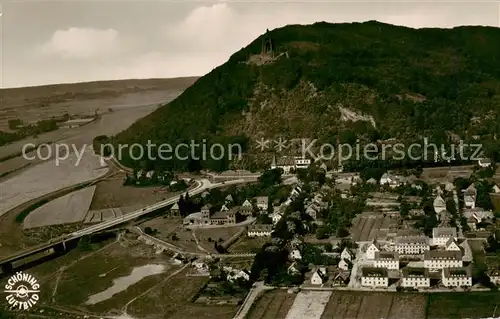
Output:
(463, 305)
(309, 305)
(272, 305)
(70, 208)
(369, 227)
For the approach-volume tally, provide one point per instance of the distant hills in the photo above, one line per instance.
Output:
(369, 81)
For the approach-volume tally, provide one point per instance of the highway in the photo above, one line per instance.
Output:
(202, 185)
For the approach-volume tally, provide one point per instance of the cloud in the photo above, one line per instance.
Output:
(81, 43)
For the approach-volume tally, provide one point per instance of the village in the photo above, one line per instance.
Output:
(401, 233)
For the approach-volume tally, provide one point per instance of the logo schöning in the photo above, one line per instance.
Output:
(22, 290)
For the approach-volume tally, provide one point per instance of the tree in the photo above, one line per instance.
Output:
(84, 243)
(14, 123)
(342, 232)
(321, 233)
(97, 144)
(404, 208)
(148, 230)
(270, 178)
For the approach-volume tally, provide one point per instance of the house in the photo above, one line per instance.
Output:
(295, 192)
(224, 208)
(228, 199)
(313, 211)
(201, 266)
(293, 269)
(456, 277)
(174, 210)
(441, 235)
(344, 264)
(341, 279)
(484, 162)
(496, 189)
(347, 254)
(415, 278)
(319, 276)
(323, 167)
(452, 245)
(470, 194)
(262, 202)
(295, 255)
(387, 259)
(374, 277)
(372, 249)
(224, 217)
(260, 230)
(234, 274)
(478, 215)
(494, 274)
(205, 194)
(302, 162)
(390, 180)
(449, 187)
(372, 181)
(411, 245)
(285, 163)
(296, 241)
(246, 208)
(439, 204)
(276, 217)
(439, 259)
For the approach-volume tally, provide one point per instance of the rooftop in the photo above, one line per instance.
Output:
(401, 240)
(374, 272)
(387, 255)
(444, 232)
(415, 272)
(442, 255)
(260, 227)
(457, 272)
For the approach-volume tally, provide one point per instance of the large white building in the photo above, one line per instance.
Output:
(439, 259)
(457, 277)
(387, 259)
(415, 278)
(441, 235)
(289, 164)
(374, 277)
(411, 245)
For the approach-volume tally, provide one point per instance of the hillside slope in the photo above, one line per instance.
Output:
(369, 80)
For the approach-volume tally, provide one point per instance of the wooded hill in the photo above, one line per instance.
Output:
(371, 81)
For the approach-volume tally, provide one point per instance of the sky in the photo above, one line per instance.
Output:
(48, 42)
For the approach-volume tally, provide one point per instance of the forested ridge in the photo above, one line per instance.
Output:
(443, 84)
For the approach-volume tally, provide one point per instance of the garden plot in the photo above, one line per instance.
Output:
(309, 305)
(46, 178)
(67, 209)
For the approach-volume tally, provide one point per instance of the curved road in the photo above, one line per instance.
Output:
(203, 185)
